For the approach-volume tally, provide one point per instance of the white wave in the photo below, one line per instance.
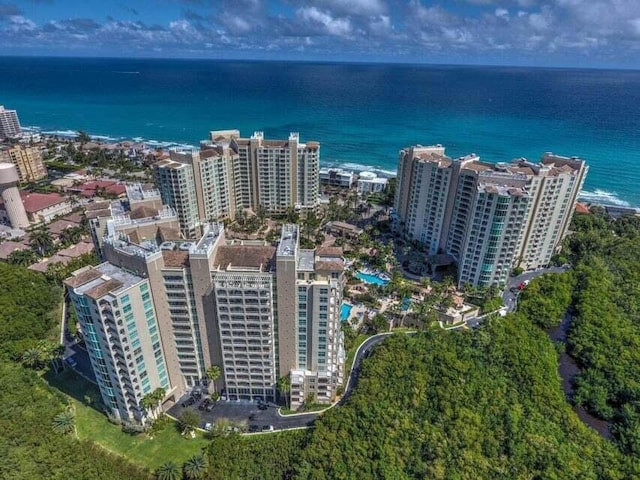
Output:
(603, 197)
(359, 167)
(62, 133)
(104, 138)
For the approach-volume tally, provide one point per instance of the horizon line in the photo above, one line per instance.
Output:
(325, 62)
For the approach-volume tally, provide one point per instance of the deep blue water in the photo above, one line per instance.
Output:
(362, 114)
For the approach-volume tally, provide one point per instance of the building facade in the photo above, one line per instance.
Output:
(337, 177)
(489, 217)
(117, 318)
(9, 123)
(256, 311)
(28, 161)
(176, 181)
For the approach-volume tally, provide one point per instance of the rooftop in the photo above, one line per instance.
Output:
(139, 192)
(288, 240)
(252, 256)
(306, 260)
(35, 202)
(175, 258)
(110, 279)
(8, 247)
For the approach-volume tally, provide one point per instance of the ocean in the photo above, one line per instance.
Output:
(361, 113)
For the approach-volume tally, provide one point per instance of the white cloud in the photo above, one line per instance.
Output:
(502, 13)
(334, 26)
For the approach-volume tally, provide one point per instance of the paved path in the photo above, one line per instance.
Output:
(247, 412)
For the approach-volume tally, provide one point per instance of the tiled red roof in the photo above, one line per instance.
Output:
(34, 202)
(582, 208)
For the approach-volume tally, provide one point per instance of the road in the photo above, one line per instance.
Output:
(511, 299)
(247, 412)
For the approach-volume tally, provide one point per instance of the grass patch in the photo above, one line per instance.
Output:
(315, 407)
(352, 352)
(93, 425)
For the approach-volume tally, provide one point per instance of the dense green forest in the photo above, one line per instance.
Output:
(605, 334)
(33, 442)
(481, 404)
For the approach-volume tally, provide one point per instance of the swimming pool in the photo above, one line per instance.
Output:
(370, 278)
(345, 311)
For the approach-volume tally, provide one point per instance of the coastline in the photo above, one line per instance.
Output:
(597, 196)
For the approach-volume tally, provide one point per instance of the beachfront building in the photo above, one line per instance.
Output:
(270, 175)
(9, 123)
(369, 182)
(337, 177)
(256, 311)
(489, 217)
(117, 319)
(231, 173)
(28, 161)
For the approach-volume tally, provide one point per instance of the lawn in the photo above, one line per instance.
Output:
(359, 340)
(93, 425)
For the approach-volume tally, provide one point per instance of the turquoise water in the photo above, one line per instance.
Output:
(362, 114)
(345, 311)
(369, 278)
(406, 303)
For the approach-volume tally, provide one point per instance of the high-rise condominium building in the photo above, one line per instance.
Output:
(231, 173)
(256, 311)
(176, 181)
(488, 217)
(9, 123)
(28, 161)
(117, 318)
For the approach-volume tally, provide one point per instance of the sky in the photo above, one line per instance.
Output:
(575, 33)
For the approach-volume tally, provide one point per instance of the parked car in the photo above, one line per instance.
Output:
(188, 402)
(263, 406)
(204, 404)
(254, 428)
(210, 406)
(208, 426)
(268, 428)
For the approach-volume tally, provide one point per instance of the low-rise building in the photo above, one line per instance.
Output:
(40, 207)
(337, 177)
(369, 182)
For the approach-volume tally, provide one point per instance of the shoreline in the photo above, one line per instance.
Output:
(597, 197)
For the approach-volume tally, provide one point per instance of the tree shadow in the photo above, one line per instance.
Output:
(77, 387)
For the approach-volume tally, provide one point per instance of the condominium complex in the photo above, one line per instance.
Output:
(28, 161)
(9, 123)
(489, 217)
(117, 317)
(257, 311)
(231, 173)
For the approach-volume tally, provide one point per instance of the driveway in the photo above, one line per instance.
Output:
(511, 299)
(238, 412)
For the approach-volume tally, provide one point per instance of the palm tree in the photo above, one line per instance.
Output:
(32, 358)
(284, 386)
(213, 373)
(41, 241)
(151, 401)
(168, 471)
(22, 257)
(64, 422)
(195, 467)
(189, 421)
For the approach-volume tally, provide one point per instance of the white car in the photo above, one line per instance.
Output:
(208, 426)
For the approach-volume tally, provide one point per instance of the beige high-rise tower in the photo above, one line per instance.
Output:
(11, 196)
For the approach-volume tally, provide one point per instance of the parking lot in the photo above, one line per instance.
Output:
(244, 412)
